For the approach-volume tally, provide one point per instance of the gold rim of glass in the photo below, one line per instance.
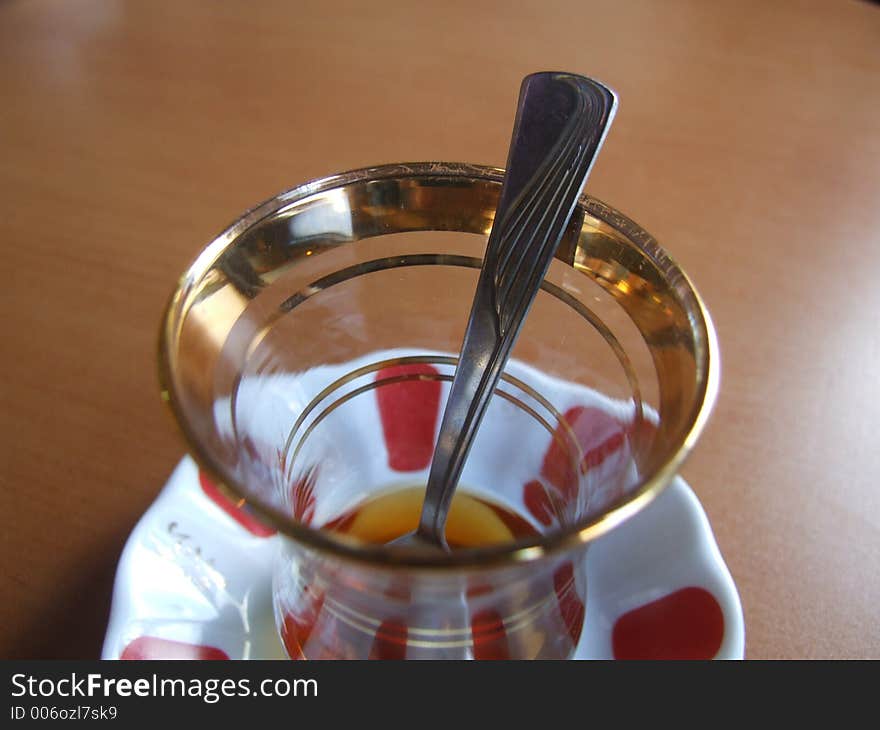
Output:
(568, 537)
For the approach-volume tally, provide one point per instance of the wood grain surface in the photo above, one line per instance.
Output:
(747, 141)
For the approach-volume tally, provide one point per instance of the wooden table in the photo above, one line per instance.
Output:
(747, 141)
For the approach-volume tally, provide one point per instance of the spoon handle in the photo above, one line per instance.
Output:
(561, 122)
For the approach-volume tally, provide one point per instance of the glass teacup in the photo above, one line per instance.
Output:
(307, 355)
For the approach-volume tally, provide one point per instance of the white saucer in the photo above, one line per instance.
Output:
(194, 582)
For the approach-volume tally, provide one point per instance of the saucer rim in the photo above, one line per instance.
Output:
(706, 551)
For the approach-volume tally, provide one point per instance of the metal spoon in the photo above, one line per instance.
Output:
(561, 122)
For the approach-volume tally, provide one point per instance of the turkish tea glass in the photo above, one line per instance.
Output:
(307, 355)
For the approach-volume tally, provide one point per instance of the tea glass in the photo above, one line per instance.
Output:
(307, 354)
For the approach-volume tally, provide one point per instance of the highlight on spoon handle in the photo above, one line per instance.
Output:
(561, 121)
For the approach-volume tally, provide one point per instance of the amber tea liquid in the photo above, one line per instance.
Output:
(349, 615)
(472, 521)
